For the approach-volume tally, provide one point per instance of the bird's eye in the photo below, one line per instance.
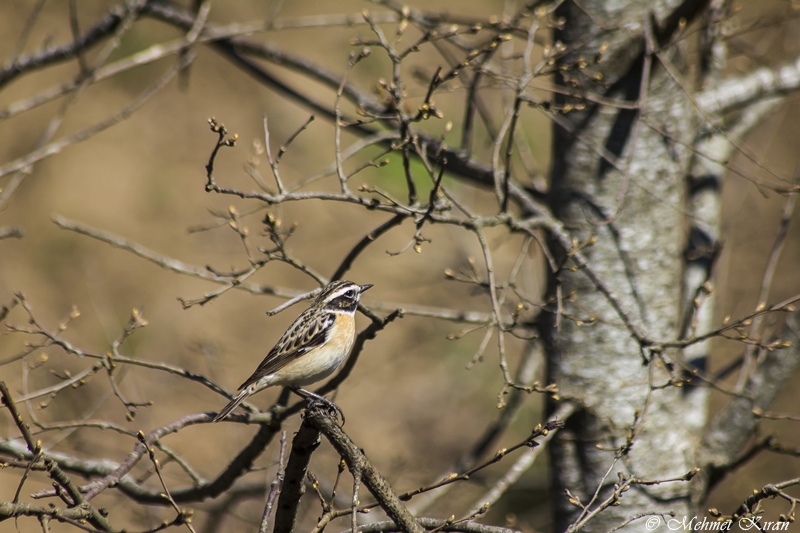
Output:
(350, 294)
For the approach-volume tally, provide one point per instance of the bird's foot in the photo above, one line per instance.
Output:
(317, 401)
(329, 406)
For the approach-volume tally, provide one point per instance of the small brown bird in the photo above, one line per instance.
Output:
(311, 349)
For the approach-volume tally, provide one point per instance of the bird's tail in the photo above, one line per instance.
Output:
(233, 404)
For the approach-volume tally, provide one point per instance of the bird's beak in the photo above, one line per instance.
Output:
(365, 287)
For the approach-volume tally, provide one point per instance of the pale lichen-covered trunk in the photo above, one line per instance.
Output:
(636, 209)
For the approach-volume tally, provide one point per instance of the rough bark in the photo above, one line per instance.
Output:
(639, 256)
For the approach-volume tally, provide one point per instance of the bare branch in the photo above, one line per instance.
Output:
(305, 442)
(358, 464)
(761, 84)
(275, 487)
(522, 464)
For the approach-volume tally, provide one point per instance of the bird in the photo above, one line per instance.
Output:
(311, 349)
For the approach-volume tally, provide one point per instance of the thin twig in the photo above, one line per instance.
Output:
(274, 487)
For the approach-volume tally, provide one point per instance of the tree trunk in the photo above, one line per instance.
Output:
(620, 176)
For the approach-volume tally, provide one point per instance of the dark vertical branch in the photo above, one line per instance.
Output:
(509, 151)
(303, 445)
(412, 188)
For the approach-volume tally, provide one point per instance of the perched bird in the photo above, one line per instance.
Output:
(311, 349)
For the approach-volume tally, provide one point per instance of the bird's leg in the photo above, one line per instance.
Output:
(316, 398)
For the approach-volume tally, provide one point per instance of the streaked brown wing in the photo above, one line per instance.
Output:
(305, 334)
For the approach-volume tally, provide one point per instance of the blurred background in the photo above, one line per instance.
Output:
(411, 402)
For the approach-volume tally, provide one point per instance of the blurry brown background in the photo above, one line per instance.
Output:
(410, 402)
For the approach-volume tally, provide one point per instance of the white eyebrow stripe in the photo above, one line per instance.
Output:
(339, 292)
